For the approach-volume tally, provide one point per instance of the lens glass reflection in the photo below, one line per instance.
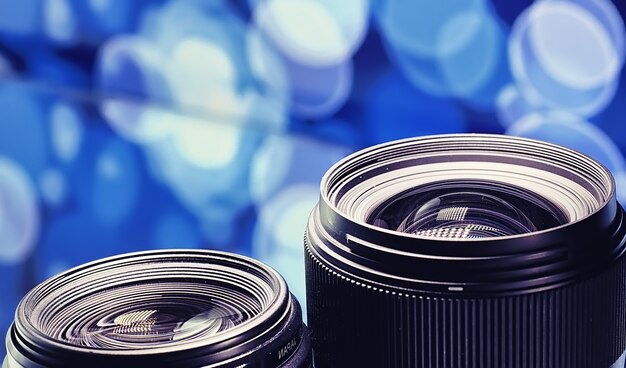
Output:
(467, 210)
(151, 315)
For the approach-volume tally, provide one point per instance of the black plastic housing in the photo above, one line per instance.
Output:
(553, 298)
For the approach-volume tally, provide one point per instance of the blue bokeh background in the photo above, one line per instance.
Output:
(146, 124)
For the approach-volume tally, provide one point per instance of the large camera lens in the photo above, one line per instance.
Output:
(477, 251)
(161, 309)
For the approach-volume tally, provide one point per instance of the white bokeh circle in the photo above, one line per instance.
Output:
(19, 213)
(571, 131)
(278, 233)
(563, 56)
(53, 187)
(67, 131)
(317, 33)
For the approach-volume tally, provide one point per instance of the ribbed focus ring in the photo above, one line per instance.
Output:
(580, 325)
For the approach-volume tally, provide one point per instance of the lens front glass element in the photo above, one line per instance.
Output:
(147, 315)
(467, 210)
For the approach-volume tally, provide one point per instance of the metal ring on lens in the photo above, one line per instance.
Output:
(573, 182)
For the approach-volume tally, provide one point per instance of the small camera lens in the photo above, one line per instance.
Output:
(161, 309)
(467, 251)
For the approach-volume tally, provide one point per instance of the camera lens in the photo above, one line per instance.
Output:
(161, 309)
(467, 251)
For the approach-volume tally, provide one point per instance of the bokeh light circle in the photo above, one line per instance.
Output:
(136, 121)
(60, 23)
(129, 69)
(416, 26)
(203, 78)
(216, 22)
(607, 26)
(205, 164)
(597, 66)
(272, 105)
(318, 33)
(512, 106)
(469, 62)
(270, 167)
(309, 91)
(210, 167)
(423, 72)
(206, 65)
(571, 131)
(53, 187)
(67, 131)
(462, 56)
(564, 56)
(206, 144)
(131, 65)
(319, 92)
(289, 160)
(19, 213)
(278, 234)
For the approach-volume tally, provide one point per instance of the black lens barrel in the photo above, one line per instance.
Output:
(551, 298)
(579, 325)
(507, 264)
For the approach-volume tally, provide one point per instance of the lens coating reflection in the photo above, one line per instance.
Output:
(151, 315)
(466, 215)
(467, 211)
